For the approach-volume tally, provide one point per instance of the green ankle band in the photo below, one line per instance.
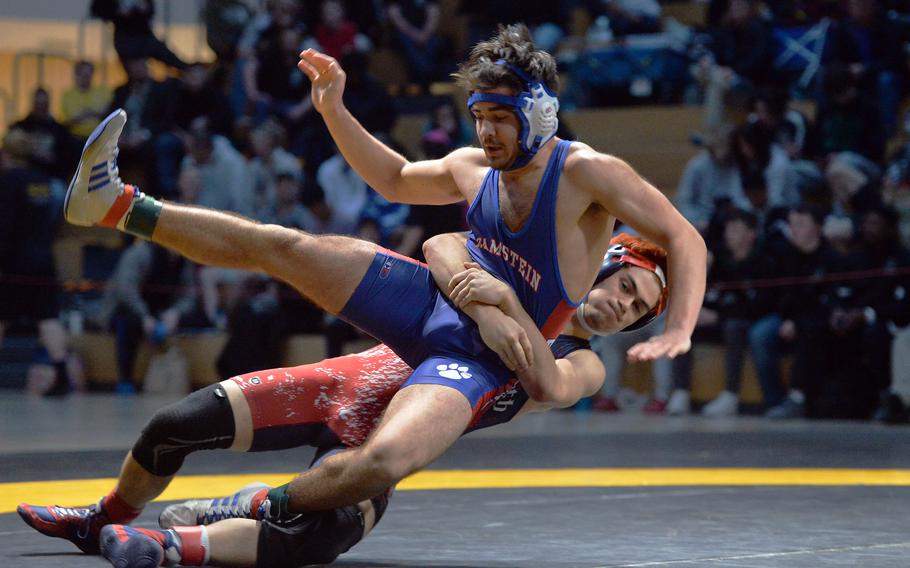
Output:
(278, 503)
(143, 217)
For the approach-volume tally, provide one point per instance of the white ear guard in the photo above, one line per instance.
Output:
(536, 110)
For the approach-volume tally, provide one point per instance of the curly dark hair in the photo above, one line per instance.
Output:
(512, 43)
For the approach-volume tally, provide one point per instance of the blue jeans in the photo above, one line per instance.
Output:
(765, 345)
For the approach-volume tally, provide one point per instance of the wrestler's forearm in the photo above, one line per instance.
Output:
(376, 163)
(446, 255)
(687, 258)
(541, 379)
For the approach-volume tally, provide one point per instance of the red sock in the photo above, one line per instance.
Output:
(194, 545)
(118, 510)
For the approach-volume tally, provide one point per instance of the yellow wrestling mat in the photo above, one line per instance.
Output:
(87, 491)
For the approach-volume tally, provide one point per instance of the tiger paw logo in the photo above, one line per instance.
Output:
(453, 371)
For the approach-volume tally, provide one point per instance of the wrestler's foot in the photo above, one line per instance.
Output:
(130, 547)
(245, 504)
(79, 525)
(97, 195)
(96, 187)
(125, 547)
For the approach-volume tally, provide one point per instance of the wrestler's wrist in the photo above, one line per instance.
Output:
(333, 110)
(511, 306)
(481, 313)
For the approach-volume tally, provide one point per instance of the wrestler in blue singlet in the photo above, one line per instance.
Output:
(526, 260)
(398, 303)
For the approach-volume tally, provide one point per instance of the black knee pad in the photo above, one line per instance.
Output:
(311, 538)
(203, 420)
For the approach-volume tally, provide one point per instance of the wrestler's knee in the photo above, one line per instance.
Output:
(203, 420)
(283, 240)
(388, 461)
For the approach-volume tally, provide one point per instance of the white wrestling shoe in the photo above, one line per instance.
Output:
(97, 195)
(245, 504)
(96, 187)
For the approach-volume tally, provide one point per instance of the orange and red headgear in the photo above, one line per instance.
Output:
(626, 250)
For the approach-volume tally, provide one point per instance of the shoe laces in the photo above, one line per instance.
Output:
(85, 515)
(114, 169)
(232, 507)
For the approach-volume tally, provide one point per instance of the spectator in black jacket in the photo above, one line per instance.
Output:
(29, 215)
(53, 147)
(877, 303)
(801, 318)
(848, 121)
(133, 35)
(148, 103)
(740, 58)
(870, 46)
(732, 305)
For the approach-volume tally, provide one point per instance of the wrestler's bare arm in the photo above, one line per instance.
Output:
(554, 383)
(547, 381)
(446, 255)
(430, 182)
(581, 374)
(613, 184)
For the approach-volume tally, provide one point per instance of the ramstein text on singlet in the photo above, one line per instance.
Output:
(528, 272)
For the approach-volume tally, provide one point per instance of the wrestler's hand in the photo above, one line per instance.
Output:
(327, 78)
(503, 335)
(668, 344)
(477, 285)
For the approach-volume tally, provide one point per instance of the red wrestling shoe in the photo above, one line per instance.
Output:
(79, 525)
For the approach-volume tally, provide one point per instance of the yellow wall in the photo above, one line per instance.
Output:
(62, 43)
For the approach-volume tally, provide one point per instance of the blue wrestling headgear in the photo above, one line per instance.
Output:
(536, 109)
(616, 258)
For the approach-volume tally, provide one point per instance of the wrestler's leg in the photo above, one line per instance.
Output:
(326, 269)
(314, 538)
(317, 538)
(202, 420)
(138, 486)
(421, 422)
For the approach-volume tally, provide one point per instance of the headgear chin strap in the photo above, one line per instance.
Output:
(616, 258)
(536, 109)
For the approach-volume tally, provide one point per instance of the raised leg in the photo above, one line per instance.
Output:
(325, 269)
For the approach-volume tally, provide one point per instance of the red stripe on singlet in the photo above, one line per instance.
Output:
(558, 319)
(399, 256)
(478, 411)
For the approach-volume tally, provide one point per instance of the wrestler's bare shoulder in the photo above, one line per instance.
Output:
(467, 156)
(468, 166)
(581, 157)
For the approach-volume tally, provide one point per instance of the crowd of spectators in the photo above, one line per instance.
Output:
(787, 199)
(805, 219)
